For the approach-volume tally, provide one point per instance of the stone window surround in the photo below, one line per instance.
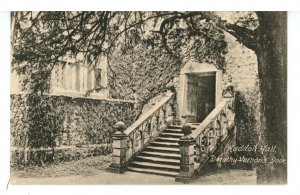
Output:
(76, 79)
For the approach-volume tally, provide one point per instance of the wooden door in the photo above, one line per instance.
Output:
(194, 96)
(200, 97)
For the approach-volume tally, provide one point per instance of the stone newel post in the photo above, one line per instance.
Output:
(186, 144)
(119, 149)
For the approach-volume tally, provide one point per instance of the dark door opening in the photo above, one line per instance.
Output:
(200, 97)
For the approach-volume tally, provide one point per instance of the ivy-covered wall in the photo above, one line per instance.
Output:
(65, 121)
(45, 121)
(144, 73)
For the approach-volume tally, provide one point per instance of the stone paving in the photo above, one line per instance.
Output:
(231, 177)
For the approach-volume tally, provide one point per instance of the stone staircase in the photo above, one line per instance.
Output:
(150, 145)
(162, 156)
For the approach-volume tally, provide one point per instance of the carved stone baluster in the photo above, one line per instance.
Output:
(219, 117)
(224, 123)
(211, 135)
(173, 110)
(128, 149)
(218, 128)
(132, 146)
(142, 134)
(206, 133)
(198, 148)
(220, 124)
(146, 131)
(164, 109)
(204, 148)
(150, 127)
(227, 109)
(157, 113)
(137, 140)
(173, 102)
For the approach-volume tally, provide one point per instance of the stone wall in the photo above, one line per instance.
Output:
(241, 65)
(57, 154)
(75, 122)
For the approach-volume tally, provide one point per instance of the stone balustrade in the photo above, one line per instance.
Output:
(197, 146)
(128, 143)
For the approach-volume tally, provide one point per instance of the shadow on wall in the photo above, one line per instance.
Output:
(246, 120)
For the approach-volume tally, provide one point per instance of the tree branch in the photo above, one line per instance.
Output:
(244, 35)
(134, 25)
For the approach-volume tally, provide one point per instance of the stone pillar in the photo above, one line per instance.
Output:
(119, 149)
(186, 144)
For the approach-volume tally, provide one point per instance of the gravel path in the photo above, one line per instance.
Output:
(219, 177)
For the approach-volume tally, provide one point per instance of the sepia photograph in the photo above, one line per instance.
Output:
(148, 97)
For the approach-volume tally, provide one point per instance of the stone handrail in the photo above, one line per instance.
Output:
(213, 131)
(209, 119)
(205, 139)
(149, 125)
(127, 144)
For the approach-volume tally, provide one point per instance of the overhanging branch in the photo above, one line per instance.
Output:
(244, 35)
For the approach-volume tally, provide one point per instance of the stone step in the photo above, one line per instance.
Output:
(154, 171)
(161, 155)
(164, 144)
(162, 149)
(167, 139)
(149, 165)
(193, 125)
(157, 160)
(174, 127)
(173, 131)
(174, 135)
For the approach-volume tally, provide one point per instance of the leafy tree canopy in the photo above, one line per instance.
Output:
(41, 39)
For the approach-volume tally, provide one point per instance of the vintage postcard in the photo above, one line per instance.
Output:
(148, 97)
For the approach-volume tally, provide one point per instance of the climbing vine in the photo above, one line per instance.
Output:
(145, 51)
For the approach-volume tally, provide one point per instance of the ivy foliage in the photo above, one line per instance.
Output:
(142, 66)
(144, 51)
(71, 122)
(41, 39)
